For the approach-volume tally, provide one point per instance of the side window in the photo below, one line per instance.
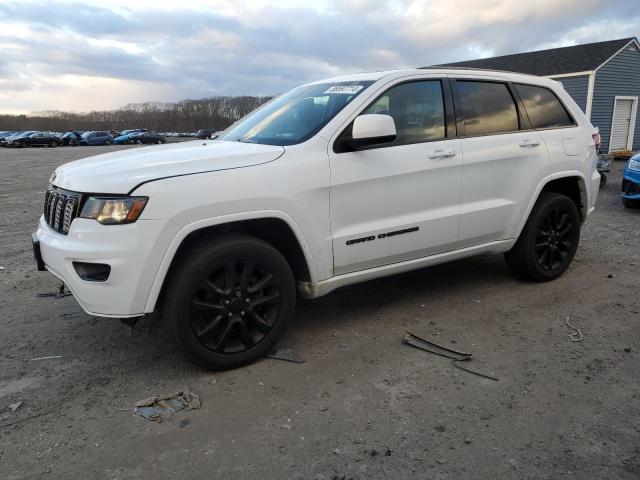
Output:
(488, 107)
(417, 109)
(543, 107)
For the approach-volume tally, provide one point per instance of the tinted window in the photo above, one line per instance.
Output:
(543, 107)
(488, 108)
(417, 109)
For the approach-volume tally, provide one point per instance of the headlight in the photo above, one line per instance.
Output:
(113, 210)
(634, 165)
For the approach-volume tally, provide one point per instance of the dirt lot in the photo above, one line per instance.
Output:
(364, 405)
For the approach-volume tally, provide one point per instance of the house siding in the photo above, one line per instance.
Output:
(578, 88)
(619, 77)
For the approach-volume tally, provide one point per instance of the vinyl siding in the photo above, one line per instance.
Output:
(619, 77)
(577, 87)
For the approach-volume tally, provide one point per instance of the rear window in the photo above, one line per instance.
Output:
(543, 107)
(488, 107)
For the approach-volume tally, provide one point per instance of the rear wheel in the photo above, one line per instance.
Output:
(107, 142)
(53, 144)
(548, 241)
(630, 203)
(229, 301)
(139, 142)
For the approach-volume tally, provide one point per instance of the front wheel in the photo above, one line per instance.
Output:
(53, 144)
(229, 301)
(548, 241)
(107, 142)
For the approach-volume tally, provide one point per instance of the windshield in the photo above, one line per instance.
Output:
(295, 116)
(86, 134)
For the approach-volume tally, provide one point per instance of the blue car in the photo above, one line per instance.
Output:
(96, 138)
(631, 183)
(128, 136)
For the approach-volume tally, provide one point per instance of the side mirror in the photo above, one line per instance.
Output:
(371, 129)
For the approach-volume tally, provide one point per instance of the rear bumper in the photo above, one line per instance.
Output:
(127, 249)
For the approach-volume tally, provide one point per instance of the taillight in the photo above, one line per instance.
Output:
(596, 140)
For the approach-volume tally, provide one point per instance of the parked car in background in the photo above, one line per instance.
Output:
(99, 137)
(631, 183)
(205, 133)
(133, 130)
(40, 139)
(72, 137)
(148, 137)
(14, 140)
(6, 134)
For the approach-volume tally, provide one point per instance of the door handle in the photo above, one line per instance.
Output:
(529, 143)
(442, 154)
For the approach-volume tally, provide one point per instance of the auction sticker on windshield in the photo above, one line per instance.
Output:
(345, 89)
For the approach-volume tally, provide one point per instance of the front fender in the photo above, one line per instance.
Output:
(186, 230)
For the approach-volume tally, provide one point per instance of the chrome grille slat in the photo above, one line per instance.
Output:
(60, 208)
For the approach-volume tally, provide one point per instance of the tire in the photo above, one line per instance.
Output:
(630, 203)
(53, 144)
(22, 144)
(107, 142)
(159, 142)
(603, 180)
(229, 301)
(548, 241)
(139, 142)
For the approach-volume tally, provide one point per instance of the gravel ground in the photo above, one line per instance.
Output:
(364, 405)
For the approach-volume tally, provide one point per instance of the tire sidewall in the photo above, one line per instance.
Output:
(201, 263)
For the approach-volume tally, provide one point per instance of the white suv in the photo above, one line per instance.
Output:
(336, 182)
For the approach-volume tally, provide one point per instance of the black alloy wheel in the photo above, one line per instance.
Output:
(235, 307)
(229, 300)
(549, 239)
(555, 239)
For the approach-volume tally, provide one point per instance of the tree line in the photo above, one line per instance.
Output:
(184, 116)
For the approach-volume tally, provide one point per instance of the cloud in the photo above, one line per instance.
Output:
(77, 56)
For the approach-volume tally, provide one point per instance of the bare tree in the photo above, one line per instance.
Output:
(185, 116)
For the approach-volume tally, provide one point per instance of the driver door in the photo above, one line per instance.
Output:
(399, 200)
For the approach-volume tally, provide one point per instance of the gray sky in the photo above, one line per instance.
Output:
(81, 56)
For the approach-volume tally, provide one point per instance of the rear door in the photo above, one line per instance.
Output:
(503, 161)
(552, 120)
(398, 200)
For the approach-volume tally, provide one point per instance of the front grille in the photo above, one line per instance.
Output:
(60, 208)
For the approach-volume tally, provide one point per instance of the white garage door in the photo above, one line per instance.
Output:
(622, 124)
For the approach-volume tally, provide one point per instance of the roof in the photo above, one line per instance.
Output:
(555, 61)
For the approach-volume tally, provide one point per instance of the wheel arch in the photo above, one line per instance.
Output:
(570, 183)
(276, 228)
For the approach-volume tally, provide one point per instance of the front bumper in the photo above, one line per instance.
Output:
(130, 250)
(631, 184)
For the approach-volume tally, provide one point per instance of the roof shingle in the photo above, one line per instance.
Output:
(555, 61)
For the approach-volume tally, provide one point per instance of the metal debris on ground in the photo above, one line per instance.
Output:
(46, 358)
(15, 406)
(577, 335)
(61, 293)
(454, 355)
(287, 355)
(159, 408)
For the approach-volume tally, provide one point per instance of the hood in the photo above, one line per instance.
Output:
(123, 170)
